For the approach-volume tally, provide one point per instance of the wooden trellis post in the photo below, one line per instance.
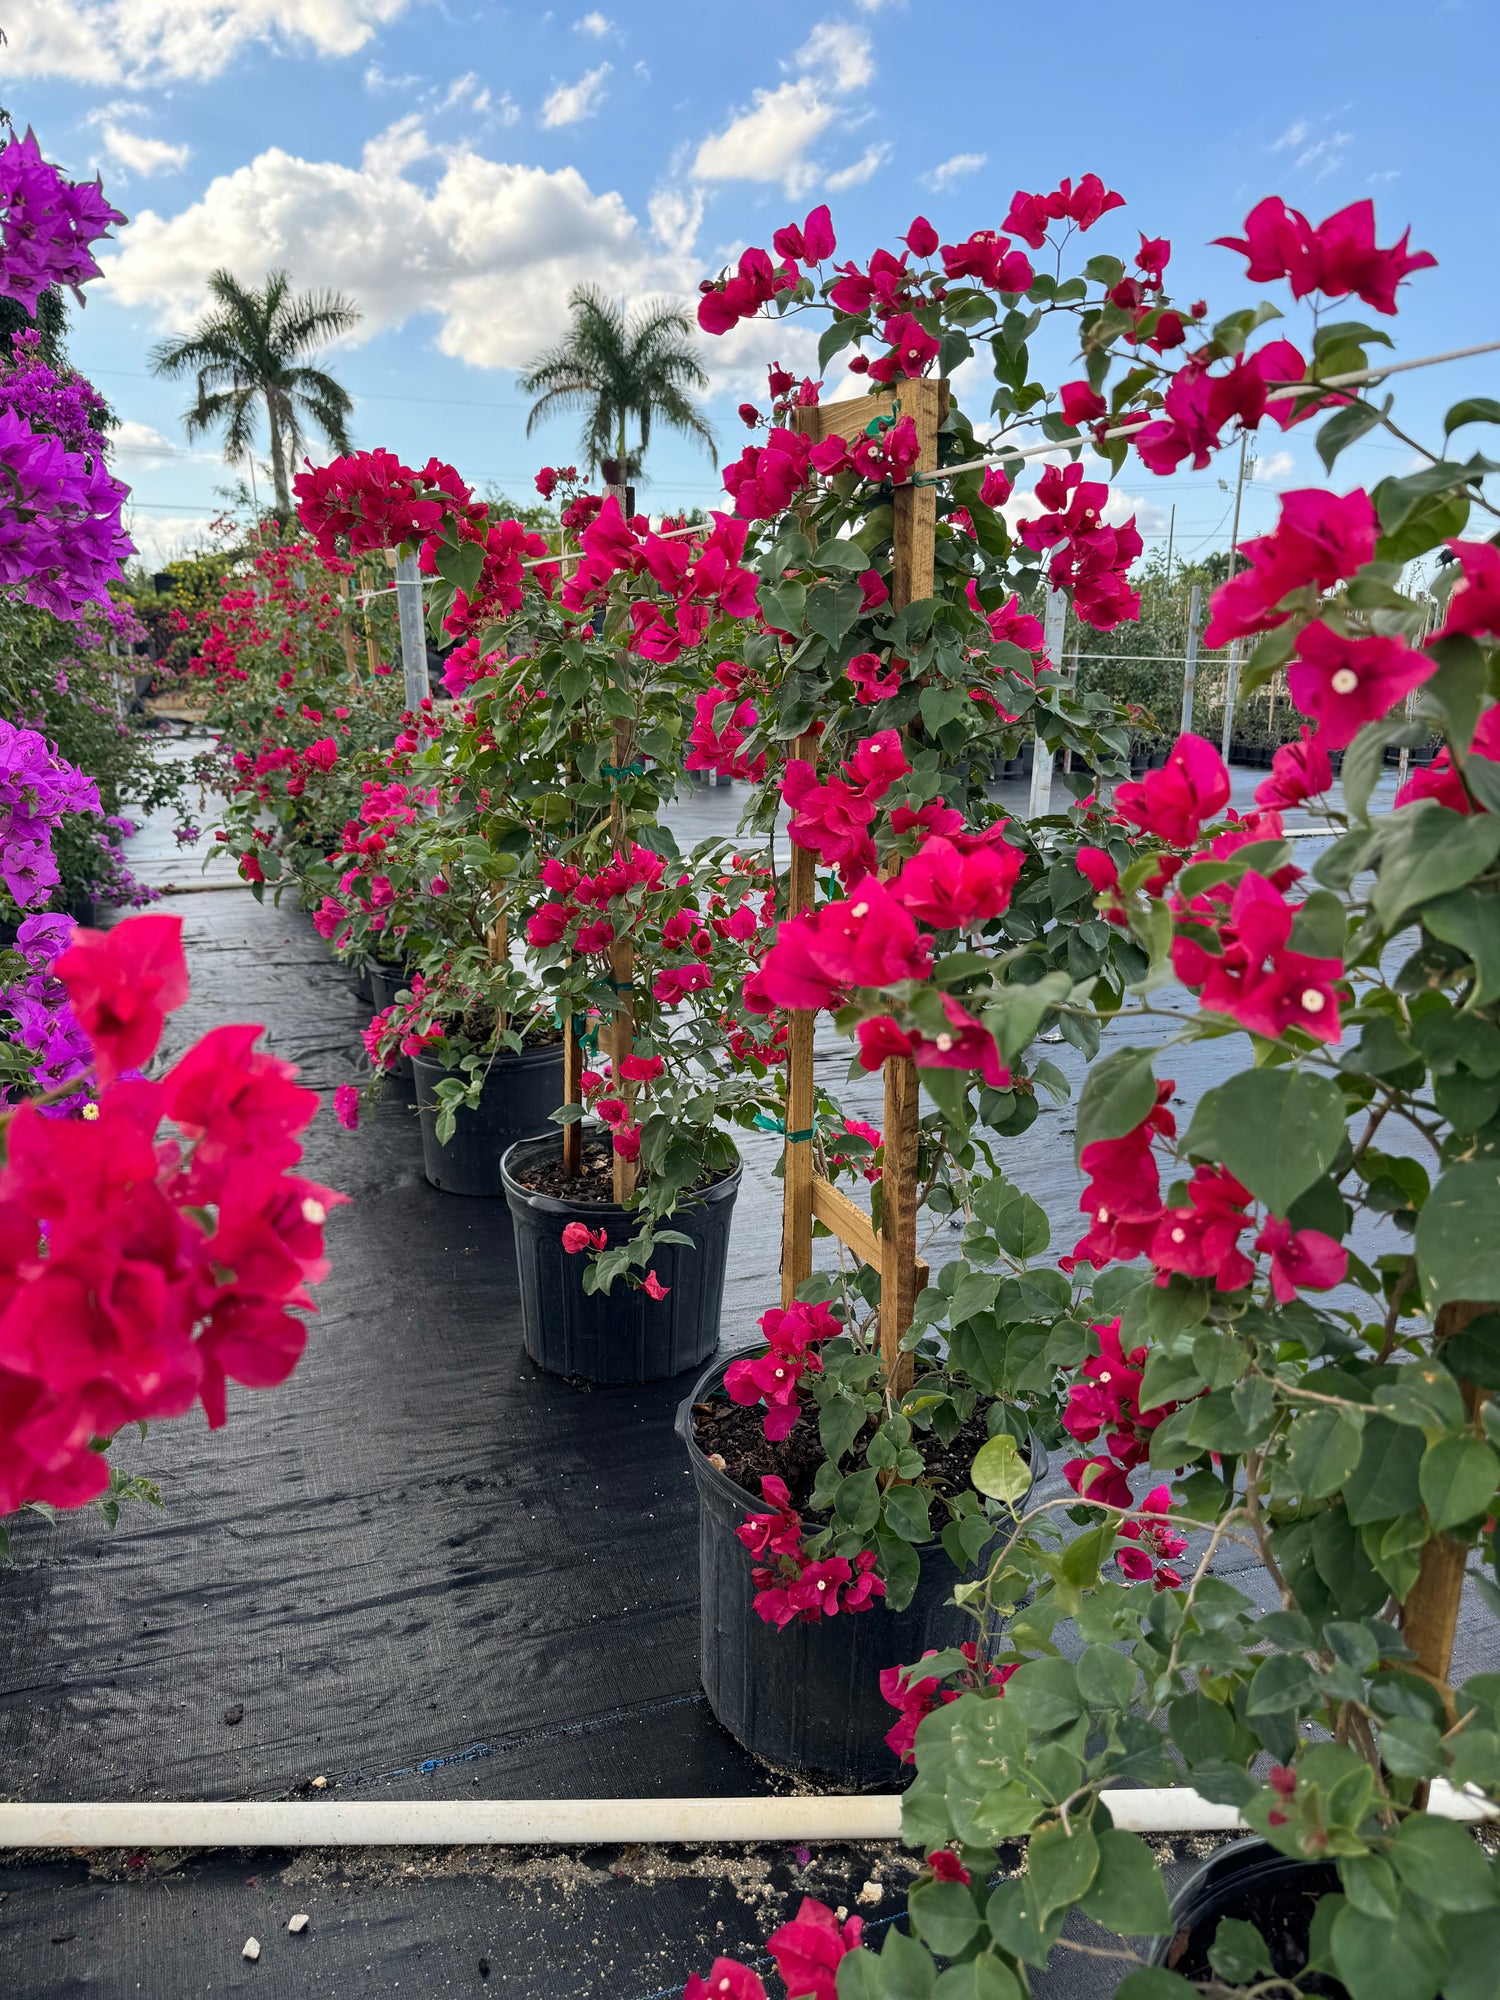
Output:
(809, 1195)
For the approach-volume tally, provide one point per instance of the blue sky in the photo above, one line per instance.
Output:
(457, 167)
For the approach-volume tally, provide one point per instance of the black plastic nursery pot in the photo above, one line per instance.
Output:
(623, 1335)
(807, 1697)
(1251, 1881)
(517, 1100)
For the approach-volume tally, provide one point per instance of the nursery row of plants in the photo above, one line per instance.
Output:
(1277, 1328)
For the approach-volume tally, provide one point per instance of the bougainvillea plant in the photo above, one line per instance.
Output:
(158, 1245)
(1290, 1337)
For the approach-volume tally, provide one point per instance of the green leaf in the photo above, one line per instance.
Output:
(1458, 1479)
(1046, 1695)
(906, 1968)
(1061, 1866)
(907, 1513)
(943, 1916)
(859, 1975)
(1000, 1471)
(1320, 926)
(986, 1978)
(1471, 410)
(1127, 1894)
(1106, 1678)
(1322, 1450)
(1457, 1242)
(1426, 851)
(1154, 1982)
(1168, 1378)
(1441, 1862)
(1459, 686)
(1020, 1226)
(833, 608)
(1239, 1953)
(1283, 1683)
(1344, 427)
(856, 1504)
(1120, 1091)
(1473, 1942)
(1384, 1961)
(1277, 1130)
(840, 1422)
(1383, 1484)
(1470, 918)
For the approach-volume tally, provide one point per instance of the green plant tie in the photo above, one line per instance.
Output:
(612, 773)
(764, 1122)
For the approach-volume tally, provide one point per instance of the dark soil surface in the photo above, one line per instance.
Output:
(731, 1436)
(1282, 1911)
(596, 1183)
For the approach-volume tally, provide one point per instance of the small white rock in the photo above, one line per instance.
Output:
(298, 1923)
(871, 1892)
(319, 1784)
(252, 1948)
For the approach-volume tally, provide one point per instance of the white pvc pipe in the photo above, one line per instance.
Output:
(561, 1822)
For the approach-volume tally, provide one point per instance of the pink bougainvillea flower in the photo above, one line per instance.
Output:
(346, 1106)
(1320, 539)
(1343, 683)
(867, 940)
(1474, 608)
(1202, 1240)
(626, 1141)
(728, 1979)
(578, 1237)
(954, 887)
(1298, 771)
(1081, 404)
(1104, 876)
(813, 243)
(121, 985)
(1301, 1259)
(1336, 258)
(1174, 802)
(879, 1039)
(808, 1949)
(1256, 979)
(1149, 1539)
(1030, 214)
(1441, 781)
(968, 1045)
(776, 1533)
(1098, 1480)
(921, 239)
(1123, 1196)
(653, 1287)
(947, 1867)
(872, 681)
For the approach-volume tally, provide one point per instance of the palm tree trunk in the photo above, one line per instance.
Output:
(278, 462)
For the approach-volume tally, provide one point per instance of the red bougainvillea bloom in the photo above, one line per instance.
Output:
(1441, 781)
(1099, 1480)
(1081, 404)
(1336, 258)
(868, 940)
(1301, 1259)
(947, 1867)
(1320, 539)
(1199, 404)
(653, 1287)
(578, 1237)
(969, 1045)
(808, 1949)
(813, 243)
(1105, 1400)
(346, 1106)
(1122, 1199)
(1173, 803)
(1202, 1240)
(954, 886)
(1299, 771)
(1255, 978)
(1100, 870)
(1474, 607)
(776, 1533)
(872, 681)
(1150, 1541)
(728, 1979)
(1343, 683)
(121, 985)
(1030, 214)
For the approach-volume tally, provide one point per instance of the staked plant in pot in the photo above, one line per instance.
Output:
(1296, 1340)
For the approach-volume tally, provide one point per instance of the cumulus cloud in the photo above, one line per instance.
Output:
(107, 41)
(125, 150)
(1275, 465)
(491, 249)
(572, 101)
(770, 140)
(144, 445)
(947, 172)
(872, 158)
(593, 23)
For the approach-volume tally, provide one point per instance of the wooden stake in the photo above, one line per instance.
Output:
(372, 656)
(621, 970)
(1429, 1617)
(801, 1094)
(572, 1147)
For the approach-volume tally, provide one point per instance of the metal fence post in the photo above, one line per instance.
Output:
(1054, 624)
(413, 633)
(1190, 665)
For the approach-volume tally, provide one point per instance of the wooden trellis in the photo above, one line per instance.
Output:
(810, 1196)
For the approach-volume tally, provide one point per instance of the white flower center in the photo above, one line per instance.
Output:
(945, 1042)
(313, 1211)
(1313, 1002)
(822, 1583)
(1103, 1215)
(1345, 681)
(91, 1112)
(1179, 1236)
(861, 909)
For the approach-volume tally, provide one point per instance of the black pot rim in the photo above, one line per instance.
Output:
(1247, 1858)
(602, 1211)
(503, 1059)
(713, 1377)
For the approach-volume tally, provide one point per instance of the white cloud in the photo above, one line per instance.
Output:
(492, 249)
(947, 172)
(676, 215)
(1326, 155)
(841, 53)
(107, 41)
(131, 152)
(872, 158)
(1294, 135)
(144, 445)
(593, 23)
(1384, 178)
(770, 140)
(572, 101)
(1275, 465)
(376, 80)
(162, 538)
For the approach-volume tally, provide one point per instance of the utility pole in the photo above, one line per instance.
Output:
(1190, 664)
(1171, 537)
(1232, 679)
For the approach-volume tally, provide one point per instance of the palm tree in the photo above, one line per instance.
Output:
(247, 348)
(614, 366)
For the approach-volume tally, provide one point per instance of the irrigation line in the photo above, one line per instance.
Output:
(1046, 447)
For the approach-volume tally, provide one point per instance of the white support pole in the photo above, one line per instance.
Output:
(1231, 698)
(413, 633)
(1190, 664)
(1054, 626)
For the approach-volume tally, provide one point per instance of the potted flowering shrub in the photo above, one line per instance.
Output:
(1294, 1332)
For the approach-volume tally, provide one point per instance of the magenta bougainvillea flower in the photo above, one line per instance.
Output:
(1301, 1259)
(1174, 802)
(1474, 607)
(1299, 771)
(1343, 682)
(1320, 539)
(47, 224)
(1337, 257)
